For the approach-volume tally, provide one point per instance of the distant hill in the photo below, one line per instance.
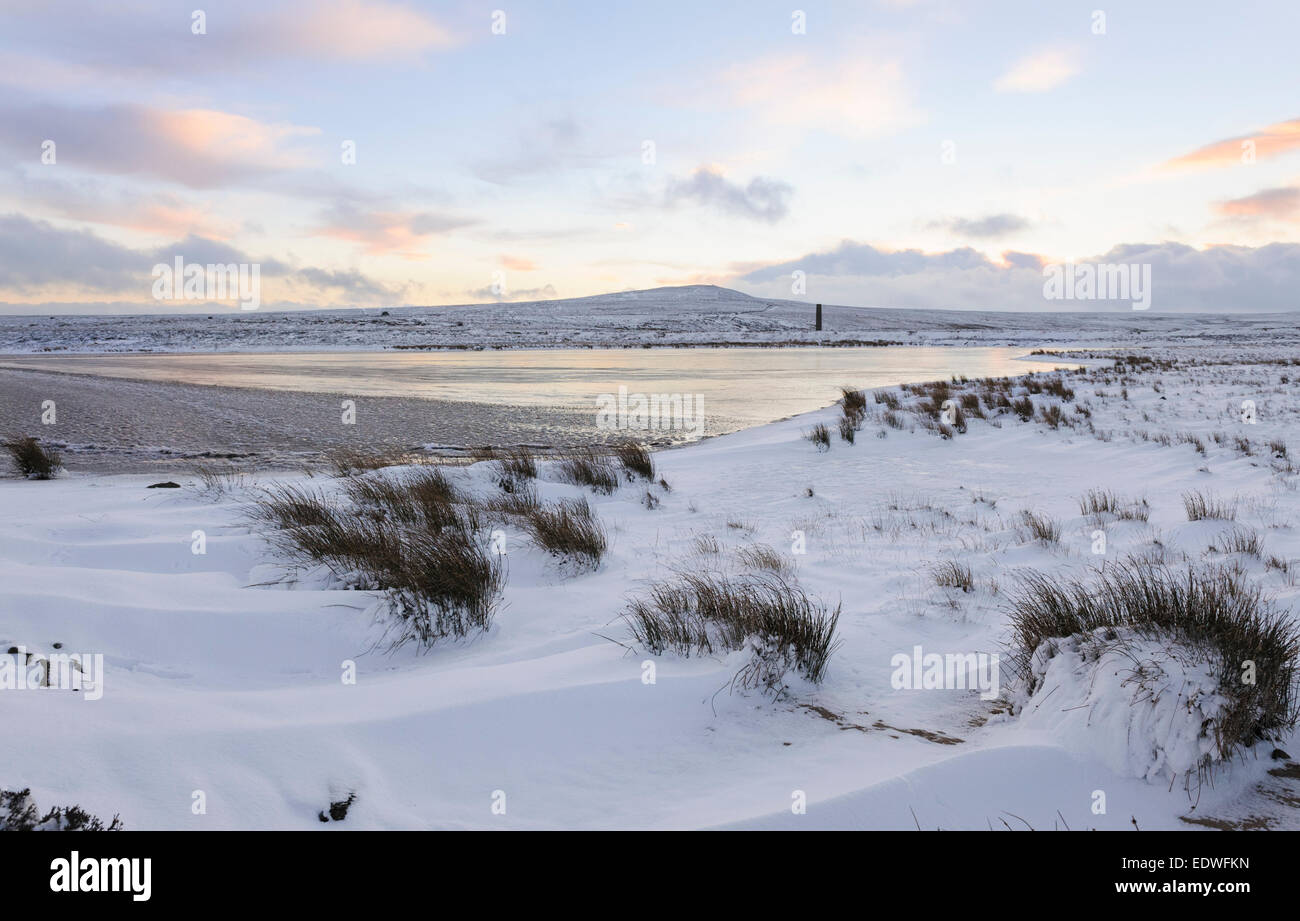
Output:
(671, 316)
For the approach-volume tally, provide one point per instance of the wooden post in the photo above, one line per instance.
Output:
(819, 318)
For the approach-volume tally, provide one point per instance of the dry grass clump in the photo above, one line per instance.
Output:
(1210, 611)
(588, 467)
(1042, 527)
(820, 435)
(767, 559)
(708, 613)
(348, 460)
(1098, 502)
(33, 460)
(1204, 506)
(568, 529)
(517, 465)
(853, 404)
(423, 495)
(951, 574)
(408, 536)
(1240, 540)
(1022, 407)
(636, 460)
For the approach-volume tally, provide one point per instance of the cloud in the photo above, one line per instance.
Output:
(1039, 72)
(349, 29)
(862, 96)
(762, 199)
(994, 225)
(541, 148)
(37, 256)
(518, 264)
(488, 293)
(199, 148)
(1231, 279)
(351, 283)
(862, 259)
(1278, 203)
(96, 201)
(1272, 141)
(83, 45)
(402, 233)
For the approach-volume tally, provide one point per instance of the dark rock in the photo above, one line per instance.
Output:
(1279, 755)
(168, 485)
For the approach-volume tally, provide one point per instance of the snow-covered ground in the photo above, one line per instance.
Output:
(223, 678)
(691, 315)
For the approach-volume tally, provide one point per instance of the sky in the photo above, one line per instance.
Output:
(897, 153)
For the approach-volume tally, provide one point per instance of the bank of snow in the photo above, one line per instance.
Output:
(224, 678)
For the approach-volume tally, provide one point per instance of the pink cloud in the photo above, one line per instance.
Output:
(1276, 139)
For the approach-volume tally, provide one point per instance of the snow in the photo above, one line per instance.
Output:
(223, 677)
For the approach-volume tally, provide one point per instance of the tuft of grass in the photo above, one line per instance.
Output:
(951, 574)
(517, 465)
(568, 529)
(403, 535)
(588, 467)
(1206, 506)
(1098, 502)
(33, 460)
(636, 460)
(222, 481)
(854, 401)
(443, 584)
(820, 435)
(1042, 527)
(708, 613)
(421, 496)
(848, 432)
(1023, 407)
(1241, 540)
(1210, 610)
(348, 460)
(767, 559)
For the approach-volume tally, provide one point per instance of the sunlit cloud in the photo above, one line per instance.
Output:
(1272, 141)
(518, 264)
(96, 42)
(1280, 203)
(1039, 72)
(402, 233)
(200, 148)
(862, 96)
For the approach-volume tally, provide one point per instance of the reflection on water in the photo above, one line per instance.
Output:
(739, 386)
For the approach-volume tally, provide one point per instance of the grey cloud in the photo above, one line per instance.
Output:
(1238, 279)
(994, 225)
(35, 254)
(762, 199)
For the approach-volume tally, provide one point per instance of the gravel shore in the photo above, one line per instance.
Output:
(117, 425)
